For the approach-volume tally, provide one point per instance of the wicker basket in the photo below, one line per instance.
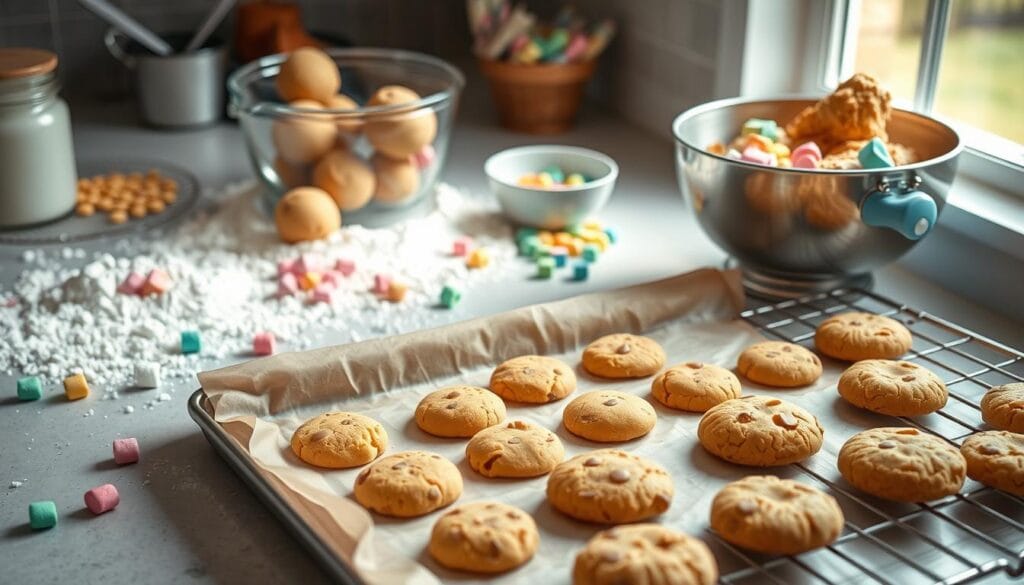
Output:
(537, 99)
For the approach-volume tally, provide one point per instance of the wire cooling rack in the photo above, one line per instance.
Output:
(975, 534)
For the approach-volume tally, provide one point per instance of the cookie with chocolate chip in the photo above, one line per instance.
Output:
(644, 553)
(760, 431)
(459, 411)
(533, 378)
(338, 440)
(610, 486)
(903, 464)
(780, 364)
(996, 459)
(622, 355)
(407, 484)
(608, 416)
(484, 537)
(896, 388)
(514, 449)
(856, 336)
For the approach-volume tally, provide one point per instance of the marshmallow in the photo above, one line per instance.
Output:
(461, 246)
(450, 296)
(806, 161)
(126, 451)
(381, 283)
(345, 266)
(157, 283)
(75, 387)
(581, 270)
(309, 280)
(42, 515)
(102, 498)
(591, 252)
(874, 155)
(30, 388)
(805, 148)
(307, 263)
(479, 258)
(264, 343)
(147, 374)
(396, 292)
(324, 293)
(757, 156)
(545, 267)
(132, 284)
(190, 342)
(559, 255)
(285, 266)
(287, 285)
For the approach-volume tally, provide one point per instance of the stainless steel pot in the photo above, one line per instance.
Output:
(795, 231)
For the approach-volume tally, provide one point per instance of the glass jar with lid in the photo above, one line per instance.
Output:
(37, 159)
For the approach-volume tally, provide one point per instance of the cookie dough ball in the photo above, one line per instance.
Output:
(346, 178)
(400, 135)
(397, 180)
(291, 175)
(308, 74)
(343, 102)
(302, 139)
(306, 213)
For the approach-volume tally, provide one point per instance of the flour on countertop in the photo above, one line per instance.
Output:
(223, 264)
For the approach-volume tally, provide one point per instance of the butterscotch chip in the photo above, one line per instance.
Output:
(85, 209)
(644, 553)
(610, 486)
(338, 440)
(622, 355)
(760, 431)
(118, 217)
(514, 449)
(484, 537)
(996, 459)
(895, 388)
(862, 336)
(533, 378)
(459, 411)
(776, 516)
(902, 464)
(1002, 407)
(695, 386)
(780, 364)
(608, 416)
(407, 484)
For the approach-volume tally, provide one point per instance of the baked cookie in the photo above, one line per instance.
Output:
(407, 484)
(644, 553)
(339, 440)
(622, 355)
(484, 537)
(896, 388)
(607, 416)
(780, 364)
(533, 378)
(514, 449)
(611, 487)
(1002, 407)
(776, 516)
(996, 459)
(760, 431)
(902, 464)
(695, 386)
(459, 411)
(862, 336)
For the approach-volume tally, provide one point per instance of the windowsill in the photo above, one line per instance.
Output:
(986, 214)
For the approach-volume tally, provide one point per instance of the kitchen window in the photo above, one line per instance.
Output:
(958, 60)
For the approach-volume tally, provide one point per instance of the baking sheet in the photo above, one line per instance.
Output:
(693, 316)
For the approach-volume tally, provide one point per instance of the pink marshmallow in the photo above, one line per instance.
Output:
(757, 156)
(264, 343)
(285, 266)
(345, 266)
(807, 161)
(132, 284)
(324, 294)
(381, 284)
(287, 285)
(423, 157)
(126, 451)
(333, 278)
(102, 499)
(462, 245)
(805, 148)
(157, 283)
(308, 263)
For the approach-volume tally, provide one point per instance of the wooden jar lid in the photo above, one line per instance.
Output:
(25, 62)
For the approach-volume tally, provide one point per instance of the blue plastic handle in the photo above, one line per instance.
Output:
(911, 213)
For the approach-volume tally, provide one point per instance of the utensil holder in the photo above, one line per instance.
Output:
(537, 99)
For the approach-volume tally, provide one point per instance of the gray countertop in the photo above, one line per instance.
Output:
(184, 517)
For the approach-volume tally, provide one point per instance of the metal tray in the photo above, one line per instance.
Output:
(978, 532)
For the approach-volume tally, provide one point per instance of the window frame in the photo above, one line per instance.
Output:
(986, 157)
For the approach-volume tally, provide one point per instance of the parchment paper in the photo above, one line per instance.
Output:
(693, 316)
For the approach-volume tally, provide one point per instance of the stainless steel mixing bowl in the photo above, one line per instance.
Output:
(795, 231)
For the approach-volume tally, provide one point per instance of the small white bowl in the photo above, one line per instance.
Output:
(557, 207)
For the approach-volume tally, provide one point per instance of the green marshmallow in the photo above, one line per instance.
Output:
(545, 267)
(190, 342)
(450, 297)
(30, 388)
(42, 515)
(555, 172)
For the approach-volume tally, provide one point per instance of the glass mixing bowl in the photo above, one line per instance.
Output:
(285, 143)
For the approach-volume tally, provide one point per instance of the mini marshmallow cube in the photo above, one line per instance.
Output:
(147, 375)
(478, 258)
(396, 292)
(563, 239)
(547, 238)
(126, 451)
(332, 278)
(757, 126)
(132, 284)
(345, 266)
(545, 180)
(574, 180)
(309, 280)
(759, 142)
(806, 148)
(423, 157)
(324, 294)
(287, 285)
(286, 266)
(307, 263)
(559, 255)
(190, 342)
(805, 161)
(734, 154)
(450, 296)
(591, 252)
(757, 156)
(157, 283)
(264, 343)
(874, 155)
(30, 388)
(580, 270)
(381, 283)
(75, 386)
(613, 236)
(42, 515)
(539, 252)
(529, 245)
(461, 246)
(593, 225)
(574, 229)
(555, 172)
(525, 232)
(102, 498)
(545, 267)
(575, 247)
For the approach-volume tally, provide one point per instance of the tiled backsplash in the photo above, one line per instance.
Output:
(668, 55)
